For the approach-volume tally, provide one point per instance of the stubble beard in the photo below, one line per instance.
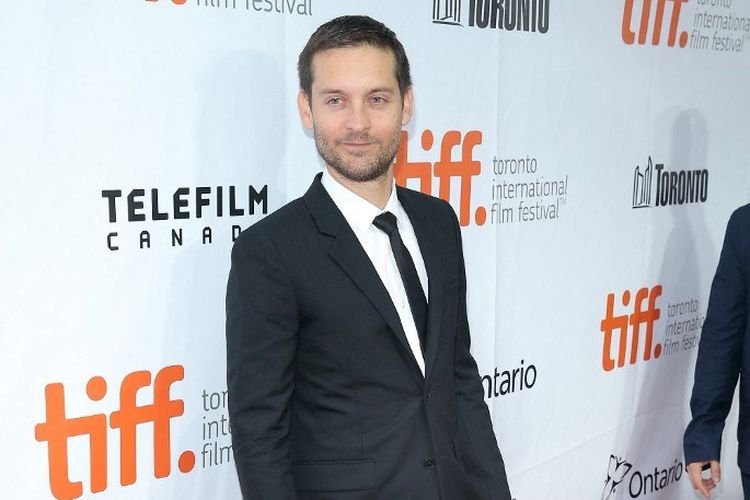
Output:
(371, 166)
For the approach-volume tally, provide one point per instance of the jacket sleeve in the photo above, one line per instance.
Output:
(474, 418)
(261, 334)
(720, 350)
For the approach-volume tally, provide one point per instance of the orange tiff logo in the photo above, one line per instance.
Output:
(463, 168)
(630, 326)
(628, 33)
(58, 428)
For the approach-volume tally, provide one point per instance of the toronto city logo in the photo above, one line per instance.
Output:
(675, 187)
(446, 12)
(508, 15)
(59, 427)
(642, 185)
(638, 483)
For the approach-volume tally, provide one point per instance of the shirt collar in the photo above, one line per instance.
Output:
(357, 211)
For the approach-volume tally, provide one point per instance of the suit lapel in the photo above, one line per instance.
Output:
(348, 253)
(435, 276)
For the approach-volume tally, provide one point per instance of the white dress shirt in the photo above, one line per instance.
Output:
(359, 213)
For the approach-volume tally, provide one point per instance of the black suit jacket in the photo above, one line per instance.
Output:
(326, 400)
(724, 351)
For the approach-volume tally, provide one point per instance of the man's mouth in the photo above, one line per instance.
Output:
(357, 145)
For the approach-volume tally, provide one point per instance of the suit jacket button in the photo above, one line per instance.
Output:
(429, 463)
(427, 396)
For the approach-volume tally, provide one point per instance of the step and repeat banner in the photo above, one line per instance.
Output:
(593, 152)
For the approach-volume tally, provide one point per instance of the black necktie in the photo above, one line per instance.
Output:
(386, 222)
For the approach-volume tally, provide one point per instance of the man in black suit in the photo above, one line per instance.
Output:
(723, 356)
(348, 363)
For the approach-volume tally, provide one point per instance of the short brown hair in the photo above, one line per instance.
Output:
(352, 31)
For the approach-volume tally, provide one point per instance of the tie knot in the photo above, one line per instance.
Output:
(386, 222)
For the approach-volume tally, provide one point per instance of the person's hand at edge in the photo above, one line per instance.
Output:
(704, 486)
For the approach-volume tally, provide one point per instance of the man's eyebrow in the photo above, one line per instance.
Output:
(389, 90)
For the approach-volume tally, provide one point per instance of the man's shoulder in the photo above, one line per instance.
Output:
(420, 197)
(426, 203)
(282, 222)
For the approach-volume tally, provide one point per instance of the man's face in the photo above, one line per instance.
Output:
(356, 111)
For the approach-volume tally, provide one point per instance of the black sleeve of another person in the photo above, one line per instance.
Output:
(720, 350)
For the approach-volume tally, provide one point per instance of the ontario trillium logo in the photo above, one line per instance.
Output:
(618, 469)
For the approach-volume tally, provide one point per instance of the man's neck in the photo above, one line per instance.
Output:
(376, 191)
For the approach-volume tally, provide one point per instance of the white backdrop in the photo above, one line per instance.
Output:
(120, 120)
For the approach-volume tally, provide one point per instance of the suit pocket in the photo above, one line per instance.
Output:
(349, 475)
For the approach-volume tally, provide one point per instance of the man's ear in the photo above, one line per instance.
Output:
(408, 106)
(305, 111)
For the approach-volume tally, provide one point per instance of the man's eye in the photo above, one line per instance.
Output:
(378, 99)
(334, 100)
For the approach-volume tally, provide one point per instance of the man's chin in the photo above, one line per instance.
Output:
(363, 174)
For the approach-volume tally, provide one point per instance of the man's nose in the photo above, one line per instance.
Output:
(358, 118)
